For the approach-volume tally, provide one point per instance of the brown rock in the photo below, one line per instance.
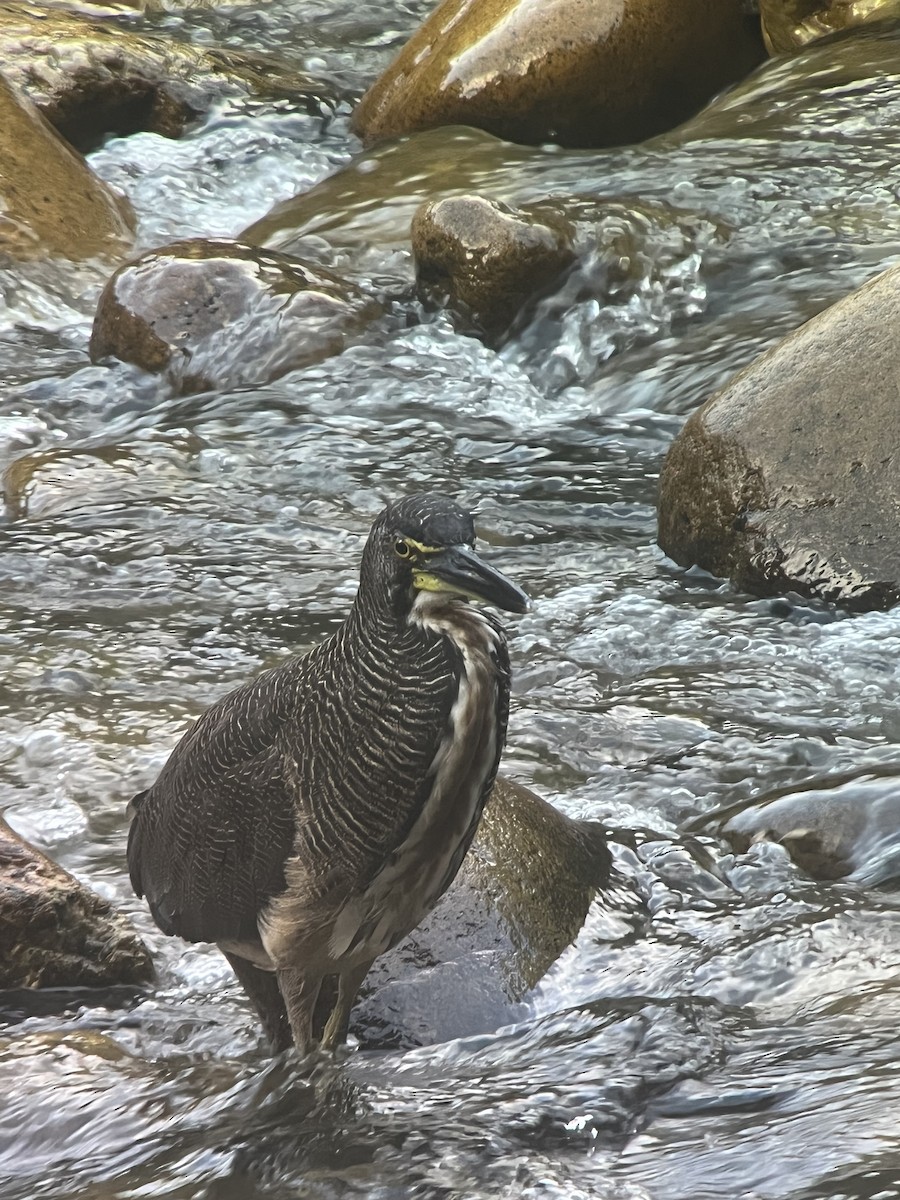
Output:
(91, 78)
(217, 313)
(789, 25)
(579, 72)
(54, 932)
(488, 259)
(51, 203)
(789, 478)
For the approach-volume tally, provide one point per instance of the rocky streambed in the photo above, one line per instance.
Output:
(716, 1016)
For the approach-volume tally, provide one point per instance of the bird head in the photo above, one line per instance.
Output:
(425, 543)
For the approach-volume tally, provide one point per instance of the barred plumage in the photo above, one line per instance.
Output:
(312, 817)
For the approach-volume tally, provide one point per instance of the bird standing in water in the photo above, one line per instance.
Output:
(311, 818)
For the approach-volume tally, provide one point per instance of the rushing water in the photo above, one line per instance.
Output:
(741, 1039)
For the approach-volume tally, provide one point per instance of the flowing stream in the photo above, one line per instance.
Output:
(741, 1038)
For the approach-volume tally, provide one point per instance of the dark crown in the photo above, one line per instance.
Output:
(431, 519)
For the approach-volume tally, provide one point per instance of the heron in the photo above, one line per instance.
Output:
(310, 819)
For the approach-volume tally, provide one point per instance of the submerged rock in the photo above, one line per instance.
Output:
(789, 25)
(91, 78)
(832, 828)
(487, 259)
(787, 479)
(217, 314)
(51, 203)
(55, 932)
(375, 197)
(578, 72)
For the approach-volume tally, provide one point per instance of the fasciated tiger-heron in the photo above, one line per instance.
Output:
(311, 818)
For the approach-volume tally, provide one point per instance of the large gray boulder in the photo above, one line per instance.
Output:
(789, 478)
(519, 900)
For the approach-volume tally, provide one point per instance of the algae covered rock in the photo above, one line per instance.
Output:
(578, 72)
(520, 898)
(55, 932)
(51, 203)
(788, 479)
(217, 313)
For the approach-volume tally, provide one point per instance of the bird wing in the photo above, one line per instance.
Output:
(209, 839)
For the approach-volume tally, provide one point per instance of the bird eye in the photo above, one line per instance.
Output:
(402, 549)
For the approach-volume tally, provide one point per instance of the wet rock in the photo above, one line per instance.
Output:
(834, 828)
(789, 25)
(519, 900)
(91, 78)
(54, 932)
(51, 203)
(487, 259)
(787, 479)
(216, 314)
(579, 72)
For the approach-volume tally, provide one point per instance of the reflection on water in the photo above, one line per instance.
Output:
(724, 1026)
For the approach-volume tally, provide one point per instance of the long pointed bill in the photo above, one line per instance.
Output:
(460, 572)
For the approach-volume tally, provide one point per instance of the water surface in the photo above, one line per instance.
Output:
(739, 1038)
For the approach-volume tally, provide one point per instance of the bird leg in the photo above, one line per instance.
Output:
(262, 988)
(300, 992)
(339, 1021)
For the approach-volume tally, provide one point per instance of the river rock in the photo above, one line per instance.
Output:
(519, 900)
(787, 479)
(51, 203)
(789, 25)
(832, 828)
(218, 314)
(55, 932)
(578, 72)
(91, 78)
(487, 259)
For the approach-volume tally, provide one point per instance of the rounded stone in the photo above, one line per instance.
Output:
(787, 479)
(486, 259)
(789, 25)
(519, 900)
(216, 313)
(55, 932)
(578, 72)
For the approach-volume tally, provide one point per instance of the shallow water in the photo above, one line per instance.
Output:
(738, 1040)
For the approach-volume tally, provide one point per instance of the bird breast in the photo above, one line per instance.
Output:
(417, 872)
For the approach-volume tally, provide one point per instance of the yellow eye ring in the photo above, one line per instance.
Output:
(402, 549)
